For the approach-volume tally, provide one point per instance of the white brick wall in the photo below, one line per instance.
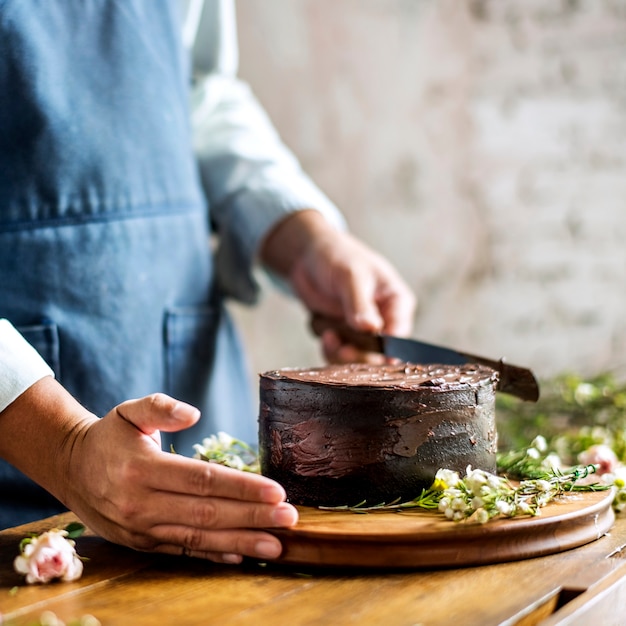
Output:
(480, 145)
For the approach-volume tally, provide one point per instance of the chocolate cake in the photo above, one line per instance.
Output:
(341, 434)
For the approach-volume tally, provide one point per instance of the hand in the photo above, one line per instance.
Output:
(334, 273)
(113, 474)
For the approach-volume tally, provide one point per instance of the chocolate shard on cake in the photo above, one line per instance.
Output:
(342, 434)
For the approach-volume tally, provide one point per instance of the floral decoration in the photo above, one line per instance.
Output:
(481, 496)
(50, 556)
(226, 450)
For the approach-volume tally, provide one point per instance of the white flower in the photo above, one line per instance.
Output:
(49, 556)
(523, 508)
(504, 508)
(209, 444)
(539, 443)
(543, 485)
(236, 462)
(451, 494)
(480, 515)
(225, 440)
(226, 450)
(475, 479)
(584, 392)
(543, 498)
(552, 462)
(477, 503)
(495, 482)
(532, 453)
(458, 504)
(446, 479)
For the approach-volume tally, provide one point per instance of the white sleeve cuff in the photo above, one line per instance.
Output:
(21, 366)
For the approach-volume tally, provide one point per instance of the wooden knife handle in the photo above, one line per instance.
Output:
(368, 342)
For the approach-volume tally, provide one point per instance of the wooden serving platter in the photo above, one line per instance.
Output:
(422, 539)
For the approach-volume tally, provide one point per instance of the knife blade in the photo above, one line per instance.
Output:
(515, 380)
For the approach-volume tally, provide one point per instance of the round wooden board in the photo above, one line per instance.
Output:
(421, 539)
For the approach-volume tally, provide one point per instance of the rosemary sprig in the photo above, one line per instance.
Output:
(428, 500)
(481, 496)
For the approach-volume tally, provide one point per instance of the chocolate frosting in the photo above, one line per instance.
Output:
(396, 376)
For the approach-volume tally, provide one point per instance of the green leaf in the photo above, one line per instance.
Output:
(74, 530)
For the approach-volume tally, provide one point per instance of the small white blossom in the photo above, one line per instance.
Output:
(552, 462)
(225, 440)
(539, 443)
(458, 504)
(226, 450)
(584, 392)
(477, 503)
(543, 498)
(504, 508)
(446, 479)
(475, 479)
(523, 508)
(495, 482)
(481, 516)
(451, 494)
(532, 453)
(543, 485)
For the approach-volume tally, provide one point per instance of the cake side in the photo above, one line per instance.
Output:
(342, 434)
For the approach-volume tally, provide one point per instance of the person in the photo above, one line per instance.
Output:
(127, 217)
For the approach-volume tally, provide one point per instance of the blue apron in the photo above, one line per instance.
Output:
(105, 261)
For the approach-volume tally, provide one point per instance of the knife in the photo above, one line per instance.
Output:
(514, 380)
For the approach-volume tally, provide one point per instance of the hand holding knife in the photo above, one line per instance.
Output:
(515, 380)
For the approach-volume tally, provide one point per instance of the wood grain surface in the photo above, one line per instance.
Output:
(424, 539)
(578, 587)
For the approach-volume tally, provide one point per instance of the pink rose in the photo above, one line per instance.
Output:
(49, 556)
(602, 456)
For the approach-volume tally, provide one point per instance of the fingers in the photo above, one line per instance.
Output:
(398, 311)
(360, 306)
(228, 546)
(193, 523)
(172, 504)
(344, 278)
(219, 519)
(376, 299)
(179, 474)
(336, 351)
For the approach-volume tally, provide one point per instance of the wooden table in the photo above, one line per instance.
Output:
(583, 586)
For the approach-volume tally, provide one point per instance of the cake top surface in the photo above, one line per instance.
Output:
(397, 375)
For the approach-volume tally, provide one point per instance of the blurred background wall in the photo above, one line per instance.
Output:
(480, 145)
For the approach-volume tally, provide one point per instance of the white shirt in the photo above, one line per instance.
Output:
(250, 178)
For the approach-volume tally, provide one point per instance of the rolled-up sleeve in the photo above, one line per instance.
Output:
(20, 364)
(251, 179)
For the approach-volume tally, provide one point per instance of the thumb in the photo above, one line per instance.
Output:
(158, 412)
